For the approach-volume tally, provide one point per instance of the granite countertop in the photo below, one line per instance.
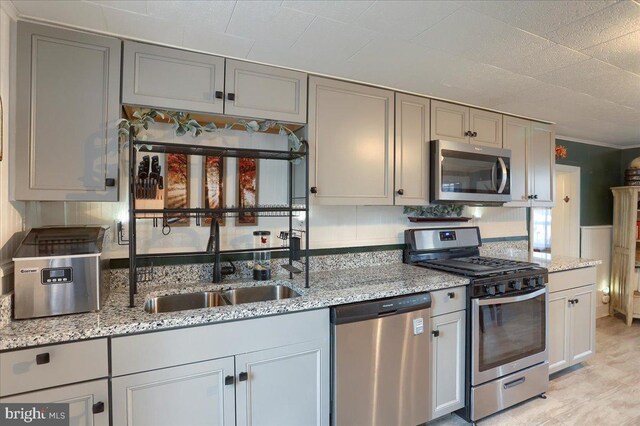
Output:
(326, 289)
(552, 263)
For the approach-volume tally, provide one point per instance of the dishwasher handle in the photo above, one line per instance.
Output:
(373, 309)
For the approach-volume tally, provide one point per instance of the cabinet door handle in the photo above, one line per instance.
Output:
(109, 182)
(514, 383)
(219, 94)
(313, 190)
(231, 96)
(451, 295)
(435, 333)
(229, 380)
(242, 377)
(98, 407)
(43, 358)
(400, 191)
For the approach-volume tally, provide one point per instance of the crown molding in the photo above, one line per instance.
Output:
(591, 142)
(10, 9)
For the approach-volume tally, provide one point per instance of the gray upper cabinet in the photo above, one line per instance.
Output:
(485, 128)
(543, 164)
(460, 123)
(67, 112)
(517, 138)
(412, 150)
(170, 78)
(351, 143)
(449, 121)
(260, 91)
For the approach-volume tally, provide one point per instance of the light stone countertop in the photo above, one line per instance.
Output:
(326, 289)
(552, 263)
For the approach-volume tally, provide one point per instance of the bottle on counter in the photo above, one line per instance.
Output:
(261, 257)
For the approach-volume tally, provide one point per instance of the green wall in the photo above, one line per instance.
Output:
(600, 169)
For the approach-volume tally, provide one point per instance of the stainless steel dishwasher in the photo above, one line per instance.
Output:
(381, 362)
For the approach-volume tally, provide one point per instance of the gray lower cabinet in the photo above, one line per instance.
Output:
(572, 318)
(448, 325)
(264, 371)
(68, 105)
(193, 394)
(88, 401)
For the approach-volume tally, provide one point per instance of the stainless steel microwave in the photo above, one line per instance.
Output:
(469, 174)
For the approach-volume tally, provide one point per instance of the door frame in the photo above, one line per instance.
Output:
(570, 230)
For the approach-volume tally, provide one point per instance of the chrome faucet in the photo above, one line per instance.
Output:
(213, 246)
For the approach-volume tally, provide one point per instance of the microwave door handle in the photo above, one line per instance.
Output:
(494, 177)
(513, 299)
(503, 166)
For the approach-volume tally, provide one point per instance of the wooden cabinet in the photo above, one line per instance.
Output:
(572, 318)
(88, 401)
(260, 91)
(532, 146)
(162, 77)
(282, 386)
(194, 394)
(175, 79)
(68, 105)
(271, 370)
(351, 142)
(412, 150)
(448, 324)
(459, 123)
(542, 164)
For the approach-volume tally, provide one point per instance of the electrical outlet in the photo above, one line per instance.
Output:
(122, 232)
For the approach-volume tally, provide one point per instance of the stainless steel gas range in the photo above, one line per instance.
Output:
(507, 331)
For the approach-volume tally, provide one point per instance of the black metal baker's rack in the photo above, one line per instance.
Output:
(200, 213)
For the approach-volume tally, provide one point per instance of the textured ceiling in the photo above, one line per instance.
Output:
(576, 63)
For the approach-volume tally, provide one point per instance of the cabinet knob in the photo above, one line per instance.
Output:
(575, 301)
(231, 96)
(109, 182)
(451, 295)
(535, 197)
(467, 133)
(98, 407)
(242, 377)
(474, 134)
(435, 333)
(219, 94)
(43, 358)
(314, 190)
(400, 191)
(229, 380)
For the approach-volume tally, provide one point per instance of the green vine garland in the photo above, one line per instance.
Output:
(183, 124)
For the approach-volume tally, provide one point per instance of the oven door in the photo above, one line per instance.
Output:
(469, 173)
(508, 334)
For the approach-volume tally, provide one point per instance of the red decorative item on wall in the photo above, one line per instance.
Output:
(561, 152)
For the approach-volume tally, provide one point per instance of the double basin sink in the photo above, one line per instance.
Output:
(212, 299)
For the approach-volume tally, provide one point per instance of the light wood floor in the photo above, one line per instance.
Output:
(604, 390)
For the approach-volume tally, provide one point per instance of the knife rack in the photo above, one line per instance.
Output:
(149, 196)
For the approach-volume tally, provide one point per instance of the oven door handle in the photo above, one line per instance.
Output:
(513, 299)
(503, 166)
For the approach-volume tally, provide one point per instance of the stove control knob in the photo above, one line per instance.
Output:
(516, 285)
(526, 282)
(541, 281)
(502, 288)
(490, 289)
